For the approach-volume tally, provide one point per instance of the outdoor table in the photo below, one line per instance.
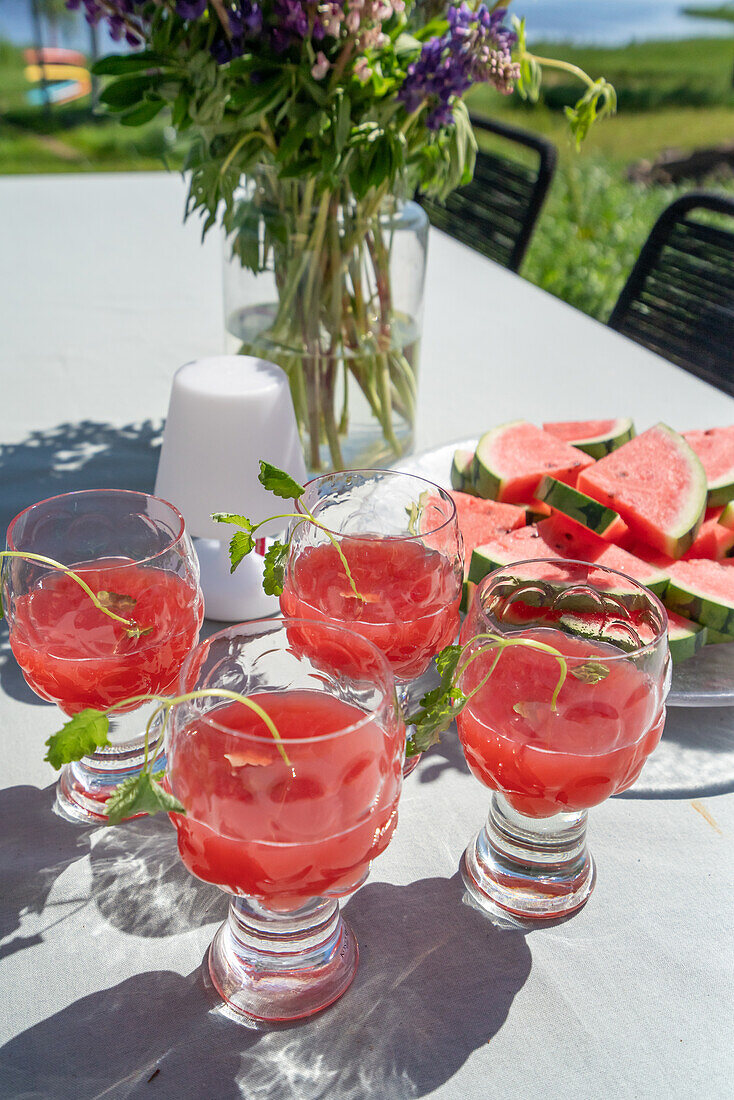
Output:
(102, 931)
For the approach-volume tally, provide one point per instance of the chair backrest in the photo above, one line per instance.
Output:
(679, 297)
(496, 213)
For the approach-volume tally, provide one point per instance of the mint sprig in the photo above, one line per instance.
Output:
(439, 707)
(141, 793)
(282, 485)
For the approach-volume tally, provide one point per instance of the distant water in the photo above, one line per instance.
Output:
(602, 22)
(617, 22)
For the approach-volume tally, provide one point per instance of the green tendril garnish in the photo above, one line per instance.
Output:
(141, 793)
(282, 485)
(103, 601)
(441, 706)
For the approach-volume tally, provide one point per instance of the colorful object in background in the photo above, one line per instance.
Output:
(65, 71)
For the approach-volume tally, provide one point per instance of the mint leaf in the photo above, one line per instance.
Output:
(590, 673)
(438, 707)
(240, 546)
(448, 659)
(232, 517)
(438, 710)
(114, 601)
(275, 561)
(278, 482)
(78, 737)
(141, 794)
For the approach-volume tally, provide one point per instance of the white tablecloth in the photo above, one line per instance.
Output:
(102, 932)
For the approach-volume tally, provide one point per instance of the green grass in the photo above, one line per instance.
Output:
(723, 11)
(591, 230)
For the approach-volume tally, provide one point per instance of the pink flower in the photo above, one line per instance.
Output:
(362, 71)
(321, 68)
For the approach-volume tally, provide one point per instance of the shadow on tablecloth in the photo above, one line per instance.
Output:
(36, 847)
(436, 981)
(695, 758)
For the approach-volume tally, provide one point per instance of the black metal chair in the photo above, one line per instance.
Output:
(679, 297)
(496, 213)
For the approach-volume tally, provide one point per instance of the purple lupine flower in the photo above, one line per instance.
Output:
(292, 23)
(190, 9)
(118, 27)
(245, 21)
(476, 48)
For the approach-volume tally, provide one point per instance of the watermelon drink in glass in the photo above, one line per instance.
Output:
(400, 537)
(285, 826)
(131, 550)
(566, 669)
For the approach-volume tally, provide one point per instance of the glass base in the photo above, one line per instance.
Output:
(531, 867)
(271, 967)
(86, 784)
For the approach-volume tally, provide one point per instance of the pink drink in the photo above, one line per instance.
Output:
(411, 596)
(259, 829)
(73, 654)
(547, 762)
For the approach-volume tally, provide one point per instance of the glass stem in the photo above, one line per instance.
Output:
(533, 867)
(271, 966)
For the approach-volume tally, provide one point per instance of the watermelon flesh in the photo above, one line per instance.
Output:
(483, 520)
(657, 484)
(715, 448)
(511, 460)
(713, 540)
(595, 437)
(552, 539)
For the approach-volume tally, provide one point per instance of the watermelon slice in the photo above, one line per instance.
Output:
(483, 520)
(657, 484)
(595, 437)
(550, 539)
(715, 448)
(714, 540)
(510, 461)
(703, 590)
(685, 637)
(461, 468)
(581, 509)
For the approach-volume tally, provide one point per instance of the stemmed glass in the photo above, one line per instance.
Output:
(400, 536)
(288, 826)
(132, 551)
(566, 671)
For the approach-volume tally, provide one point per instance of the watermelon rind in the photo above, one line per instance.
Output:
(679, 537)
(598, 446)
(577, 506)
(486, 480)
(685, 637)
(714, 637)
(468, 589)
(461, 471)
(726, 519)
(691, 600)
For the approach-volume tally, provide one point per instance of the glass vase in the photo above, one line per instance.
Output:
(331, 289)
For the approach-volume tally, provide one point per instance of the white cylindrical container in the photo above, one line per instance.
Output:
(225, 414)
